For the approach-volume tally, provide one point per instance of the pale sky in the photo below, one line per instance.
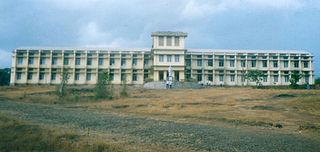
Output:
(211, 24)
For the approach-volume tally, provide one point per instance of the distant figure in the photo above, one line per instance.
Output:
(208, 83)
(220, 84)
(202, 82)
(167, 84)
(170, 84)
(307, 87)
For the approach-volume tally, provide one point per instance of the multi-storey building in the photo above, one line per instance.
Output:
(44, 65)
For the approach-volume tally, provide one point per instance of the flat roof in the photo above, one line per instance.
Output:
(149, 49)
(169, 33)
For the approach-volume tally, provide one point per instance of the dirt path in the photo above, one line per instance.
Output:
(155, 132)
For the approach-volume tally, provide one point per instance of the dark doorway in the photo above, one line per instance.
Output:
(161, 75)
(176, 76)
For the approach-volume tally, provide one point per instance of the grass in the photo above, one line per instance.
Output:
(21, 136)
(294, 110)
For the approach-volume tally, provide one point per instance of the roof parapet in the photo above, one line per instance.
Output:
(169, 33)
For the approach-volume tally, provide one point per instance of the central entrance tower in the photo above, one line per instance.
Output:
(168, 50)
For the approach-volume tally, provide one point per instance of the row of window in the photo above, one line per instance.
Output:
(169, 41)
(169, 58)
(253, 63)
(78, 61)
(77, 76)
(243, 79)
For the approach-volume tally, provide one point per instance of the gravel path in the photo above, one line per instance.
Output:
(193, 136)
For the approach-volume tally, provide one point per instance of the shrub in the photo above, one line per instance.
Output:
(148, 80)
(103, 89)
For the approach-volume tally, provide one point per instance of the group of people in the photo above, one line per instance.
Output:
(208, 82)
(169, 84)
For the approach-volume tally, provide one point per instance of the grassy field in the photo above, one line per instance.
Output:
(283, 110)
(16, 135)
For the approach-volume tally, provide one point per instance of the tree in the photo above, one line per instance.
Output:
(124, 92)
(64, 81)
(256, 76)
(294, 78)
(5, 76)
(102, 88)
(317, 81)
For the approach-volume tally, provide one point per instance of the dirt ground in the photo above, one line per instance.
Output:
(283, 111)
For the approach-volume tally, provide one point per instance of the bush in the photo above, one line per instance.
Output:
(5, 76)
(103, 89)
(148, 80)
(191, 80)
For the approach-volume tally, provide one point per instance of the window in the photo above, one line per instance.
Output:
(145, 76)
(285, 64)
(265, 78)
(54, 61)
(176, 58)
(199, 56)
(76, 76)
(161, 58)
(210, 56)
(231, 57)
(188, 62)
(101, 55)
(264, 57)
(111, 55)
(275, 57)
(30, 60)
(264, 63)
(20, 60)
(66, 61)
(135, 55)
(276, 78)
(243, 63)
(29, 76)
(54, 54)
(89, 54)
(161, 39)
(88, 76)
(221, 78)
(210, 63)
(123, 77)
(18, 75)
(41, 76)
(112, 61)
(77, 61)
(134, 77)
(145, 62)
(275, 64)
(286, 79)
(89, 61)
(210, 77)
(199, 77)
(111, 76)
(134, 62)
(123, 61)
(231, 63)
(66, 54)
(53, 76)
(123, 55)
(253, 63)
(199, 62)
(176, 41)
(285, 57)
(221, 63)
(169, 40)
(42, 61)
(169, 58)
(100, 61)
(78, 54)
(232, 78)
(306, 64)
(307, 79)
(296, 64)
(243, 78)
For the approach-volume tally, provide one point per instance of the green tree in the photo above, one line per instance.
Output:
(5, 76)
(294, 78)
(64, 81)
(317, 81)
(103, 86)
(256, 76)
(124, 92)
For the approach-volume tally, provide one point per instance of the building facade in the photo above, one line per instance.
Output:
(44, 65)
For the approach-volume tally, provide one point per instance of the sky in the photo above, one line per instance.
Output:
(210, 24)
